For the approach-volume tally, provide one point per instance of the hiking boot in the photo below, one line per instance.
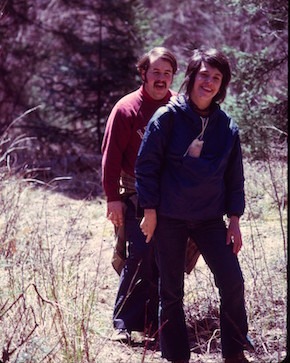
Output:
(238, 358)
(121, 335)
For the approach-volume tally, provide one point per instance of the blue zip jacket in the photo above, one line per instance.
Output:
(184, 187)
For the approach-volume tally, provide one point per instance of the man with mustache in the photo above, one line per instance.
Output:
(136, 305)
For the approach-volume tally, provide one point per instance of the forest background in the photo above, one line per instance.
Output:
(63, 65)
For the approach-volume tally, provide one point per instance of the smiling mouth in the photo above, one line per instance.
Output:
(160, 85)
(207, 89)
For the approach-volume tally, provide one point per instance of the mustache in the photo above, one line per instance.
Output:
(160, 83)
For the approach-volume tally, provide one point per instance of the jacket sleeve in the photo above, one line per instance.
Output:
(234, 181)
(151, 158)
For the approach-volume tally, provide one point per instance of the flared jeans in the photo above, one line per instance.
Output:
(136, 305)
(170, 246)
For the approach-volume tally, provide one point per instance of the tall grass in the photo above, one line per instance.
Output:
(51, 280)
(263, 260)
(58, 287)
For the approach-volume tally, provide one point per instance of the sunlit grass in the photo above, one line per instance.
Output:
(58, 287)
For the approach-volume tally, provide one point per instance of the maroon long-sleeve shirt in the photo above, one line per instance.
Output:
(123, 134)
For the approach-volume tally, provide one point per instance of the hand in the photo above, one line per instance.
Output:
(195, 148)
(234, 234)
(115, 212)
(148, 223)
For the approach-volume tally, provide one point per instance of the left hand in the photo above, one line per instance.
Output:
(234, 234)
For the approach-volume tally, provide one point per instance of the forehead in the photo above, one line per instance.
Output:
(205, 67)
(159, 63)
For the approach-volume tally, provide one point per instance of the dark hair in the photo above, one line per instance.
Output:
(214, 58)
(157, 52)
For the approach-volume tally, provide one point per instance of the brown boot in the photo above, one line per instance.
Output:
(237, 358)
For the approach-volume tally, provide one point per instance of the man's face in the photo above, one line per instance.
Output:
(158, 78)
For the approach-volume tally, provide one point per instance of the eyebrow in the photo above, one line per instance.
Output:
(165, 70)
(218, 73)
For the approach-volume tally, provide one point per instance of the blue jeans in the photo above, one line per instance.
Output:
(136, 305)
(210, 236)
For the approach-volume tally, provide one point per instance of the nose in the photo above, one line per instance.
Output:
(160, 77)
(209, 80)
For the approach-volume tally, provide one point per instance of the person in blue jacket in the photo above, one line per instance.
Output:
(189, 178)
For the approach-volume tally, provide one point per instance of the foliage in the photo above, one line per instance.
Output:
(71, 60)
(254, 35)
(259, 83)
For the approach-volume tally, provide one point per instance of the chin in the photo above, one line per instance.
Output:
(161, 94)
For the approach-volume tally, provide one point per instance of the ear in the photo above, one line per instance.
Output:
(143, 75)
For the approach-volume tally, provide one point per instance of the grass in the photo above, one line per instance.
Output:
(58, 287)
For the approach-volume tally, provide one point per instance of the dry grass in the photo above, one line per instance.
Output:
(58, 287)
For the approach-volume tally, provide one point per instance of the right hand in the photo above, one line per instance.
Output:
(148, 223)
(115, 212)
(195, 148)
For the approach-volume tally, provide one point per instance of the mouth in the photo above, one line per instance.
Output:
(160, 85)
(206, 89)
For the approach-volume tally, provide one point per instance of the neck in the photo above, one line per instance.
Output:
(201, 110)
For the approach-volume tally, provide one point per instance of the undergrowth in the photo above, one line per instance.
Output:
(58, 288)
